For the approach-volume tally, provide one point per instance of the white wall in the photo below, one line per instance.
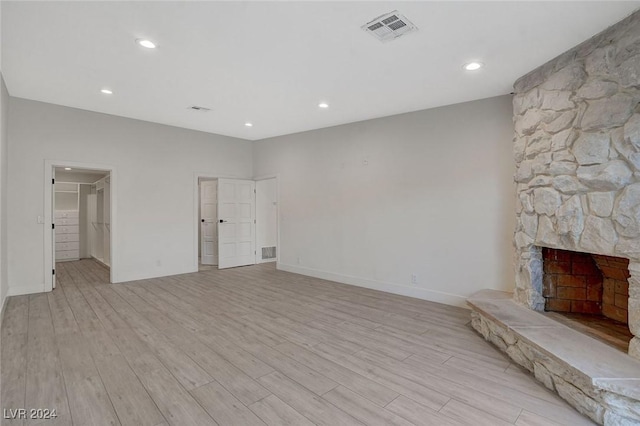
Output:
(155, 167)
(4, 107)
(266, 216)
(428, 193)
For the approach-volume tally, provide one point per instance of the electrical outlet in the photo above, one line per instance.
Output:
(414, 279)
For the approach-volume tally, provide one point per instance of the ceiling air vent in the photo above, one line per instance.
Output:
(389, 26)
(199, 108)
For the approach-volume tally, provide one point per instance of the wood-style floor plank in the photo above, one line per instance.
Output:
(88, 399)
(63, 319)
(274, 412)
(306, 402)
(419, 414)
(530, 419)
(533, 397)
(130, 399)
(225, 408)
(414, 390)
(371, 390)
(471, 416)
(474, 396)
(300, 373)
(13, 355)
(240, 358)
(362, 409)
(45, 386)
(174, 402)
(255, 346)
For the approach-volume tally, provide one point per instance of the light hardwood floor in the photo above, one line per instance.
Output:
(255, 346)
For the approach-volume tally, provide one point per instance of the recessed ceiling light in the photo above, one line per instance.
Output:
(248, 124)
(323, 105)
(67, 168)
(146, 43)
(473, 66)
(107, 91)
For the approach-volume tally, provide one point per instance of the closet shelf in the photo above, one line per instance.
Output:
(67, 232)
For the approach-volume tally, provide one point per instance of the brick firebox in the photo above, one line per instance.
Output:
(585, 283)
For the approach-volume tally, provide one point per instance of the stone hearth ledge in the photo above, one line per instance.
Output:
(598, 380)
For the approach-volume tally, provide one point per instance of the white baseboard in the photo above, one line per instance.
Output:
(148, 276)
(402, 290)
(20, 290)
(99, 261)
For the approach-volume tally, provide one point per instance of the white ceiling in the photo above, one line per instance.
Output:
(270, 63)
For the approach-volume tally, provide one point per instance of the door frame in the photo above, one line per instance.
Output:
(277, 178)
(49, 253)
(196, 208)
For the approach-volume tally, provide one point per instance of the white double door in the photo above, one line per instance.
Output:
(235, 219)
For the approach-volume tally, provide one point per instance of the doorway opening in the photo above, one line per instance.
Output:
(236, 222)
(207, 223)
(80, 217)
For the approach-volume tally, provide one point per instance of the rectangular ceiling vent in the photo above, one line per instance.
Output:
(199, 108)
(389, 26)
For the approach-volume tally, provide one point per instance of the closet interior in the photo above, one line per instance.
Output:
(82, 215)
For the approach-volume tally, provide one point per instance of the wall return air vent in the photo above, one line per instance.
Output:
(389, 26)
(268, 252)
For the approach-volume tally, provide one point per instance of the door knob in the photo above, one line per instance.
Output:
(223, 221)
(202, 220)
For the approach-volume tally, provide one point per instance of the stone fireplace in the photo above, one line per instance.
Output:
(577, 153)
(577, 236)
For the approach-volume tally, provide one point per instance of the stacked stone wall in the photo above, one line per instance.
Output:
(577, 152)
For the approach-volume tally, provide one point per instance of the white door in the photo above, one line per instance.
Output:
(236, 223)
(53, 227)
(209, 225)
